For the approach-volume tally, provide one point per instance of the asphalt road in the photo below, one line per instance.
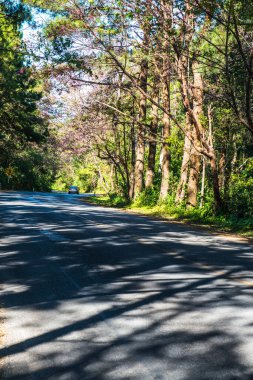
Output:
(93, 293)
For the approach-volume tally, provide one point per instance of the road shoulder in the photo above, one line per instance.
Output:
(224, 232)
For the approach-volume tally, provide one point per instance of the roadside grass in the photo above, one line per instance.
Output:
(197, 217)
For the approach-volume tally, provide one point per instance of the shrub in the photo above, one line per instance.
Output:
(117, 200)
(241, 197)
(149, 197)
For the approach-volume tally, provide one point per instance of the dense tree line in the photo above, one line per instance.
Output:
(22, 128)
(168, 102)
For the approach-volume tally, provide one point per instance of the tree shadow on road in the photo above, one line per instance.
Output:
(114, 296)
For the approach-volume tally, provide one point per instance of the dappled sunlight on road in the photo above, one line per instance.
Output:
(99, 294)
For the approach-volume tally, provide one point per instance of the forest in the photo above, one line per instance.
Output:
(149, 103)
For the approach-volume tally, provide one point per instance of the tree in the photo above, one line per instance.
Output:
(20, 121)
(160, 72)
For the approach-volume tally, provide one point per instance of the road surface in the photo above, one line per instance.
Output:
(93, 293)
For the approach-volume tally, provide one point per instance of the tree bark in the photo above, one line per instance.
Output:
(180, 196)
(216, 190)
(112, 178)
(140, 146)
(195, 163)
(193, 181)
(202, 196)
(222, 166)
(166, 81)
(132, 170)
(165, 155)
(150, 174)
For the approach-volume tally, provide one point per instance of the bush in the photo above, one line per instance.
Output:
(117, 200)
(148, 197)
(241, 197)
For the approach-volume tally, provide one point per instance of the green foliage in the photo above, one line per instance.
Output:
(111, 200)
(24, 160)
(46, 5)
(112, 114)
(241, 193)
(32, 168)
(18, 94)
(148, 197)
(117, 200)
(75, 173)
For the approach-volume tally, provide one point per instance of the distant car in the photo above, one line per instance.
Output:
(73, 190)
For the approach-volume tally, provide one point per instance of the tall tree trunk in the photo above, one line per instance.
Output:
(132, 170)
(219, 205)
(165, 152)
(235, 156)
(150, 174)
(193, 181)
(202, 196)
(222, 166)
(192, 97)
(139, 164)
(195, 163)
(216, 190)
(166, 81)
(180, 196)
(140, 146)
(112, 178)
